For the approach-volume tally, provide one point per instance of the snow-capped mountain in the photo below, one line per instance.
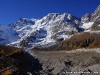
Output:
(44, 31)
(47, 31)
(91, 21)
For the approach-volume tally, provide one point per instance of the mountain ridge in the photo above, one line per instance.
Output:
(29, 33)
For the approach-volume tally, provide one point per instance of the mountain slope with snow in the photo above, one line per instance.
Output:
(47, 31)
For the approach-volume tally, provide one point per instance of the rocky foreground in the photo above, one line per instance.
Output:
(77, 62)
(14, 61)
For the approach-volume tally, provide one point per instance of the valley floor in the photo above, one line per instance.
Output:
(69, 62)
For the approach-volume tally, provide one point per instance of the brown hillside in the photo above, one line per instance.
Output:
(8, 50)
(83, 40)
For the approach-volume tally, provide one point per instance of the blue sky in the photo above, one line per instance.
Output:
(12, 10)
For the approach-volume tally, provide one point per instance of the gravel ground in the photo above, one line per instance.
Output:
(76, 62)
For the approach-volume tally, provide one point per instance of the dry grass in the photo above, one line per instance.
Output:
(84, 40)
(6, 72)
(8, 50)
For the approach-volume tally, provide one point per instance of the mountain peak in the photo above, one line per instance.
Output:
(96, 13)
(54, 15)
(63, 16)
(97, 9)
(86, 18)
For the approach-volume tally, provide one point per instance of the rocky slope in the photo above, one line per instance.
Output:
(77, 62)
(14, 61)
(94, 18)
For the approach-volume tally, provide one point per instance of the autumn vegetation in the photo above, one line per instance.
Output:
(83, 40)
(8, 50)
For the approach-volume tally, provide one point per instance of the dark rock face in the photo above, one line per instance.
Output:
(27, 63)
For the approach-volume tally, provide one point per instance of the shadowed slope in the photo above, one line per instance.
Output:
(14, 61)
